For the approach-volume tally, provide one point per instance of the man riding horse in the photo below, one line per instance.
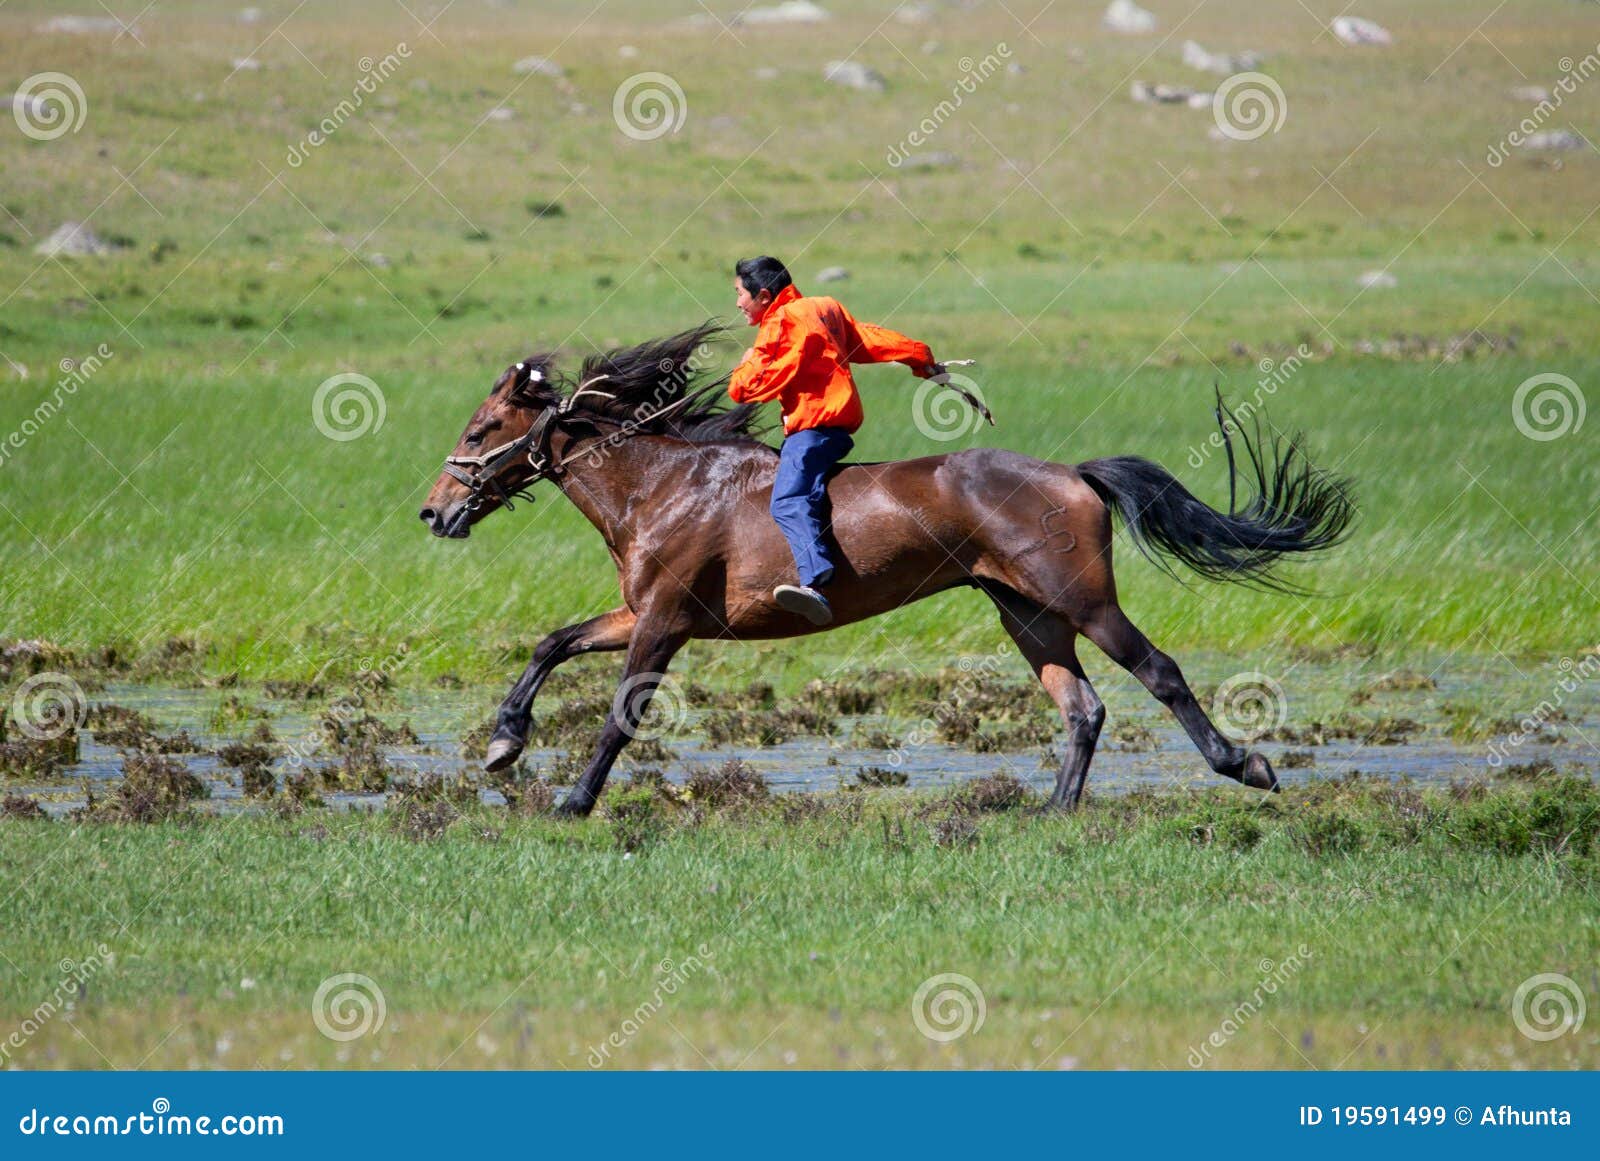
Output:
(801, 357)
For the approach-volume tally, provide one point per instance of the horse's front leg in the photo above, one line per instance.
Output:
(649, 654)
(606, 633)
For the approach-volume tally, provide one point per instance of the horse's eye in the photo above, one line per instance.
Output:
(475, 439)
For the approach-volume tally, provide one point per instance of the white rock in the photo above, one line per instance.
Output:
(627, 52)
(82, 24)
(832, 274)
(73, 240)
(789, 12)
(1378, 280)
(539, 66)
(1534, 93)
(766, 73)
(854, 75)
(1355, 30)
(919, 12)
(1126, 16)
(246, 64)
(1159, 94)
(249, 16)
(1553, 139)
(502, 113)
(1222, 63)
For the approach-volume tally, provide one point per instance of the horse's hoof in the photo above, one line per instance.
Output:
(502, 752)
(1258, 774)
(571, 808)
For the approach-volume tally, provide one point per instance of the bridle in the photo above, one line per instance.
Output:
(481, 473)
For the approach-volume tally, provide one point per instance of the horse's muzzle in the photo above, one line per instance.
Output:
(454, 523)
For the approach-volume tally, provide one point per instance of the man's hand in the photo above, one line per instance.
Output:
(940, 373)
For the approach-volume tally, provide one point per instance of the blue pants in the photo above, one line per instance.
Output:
(799, 497)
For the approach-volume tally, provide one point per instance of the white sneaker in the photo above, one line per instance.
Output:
(807, 602)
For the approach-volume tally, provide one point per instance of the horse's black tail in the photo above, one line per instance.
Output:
(1297, 508)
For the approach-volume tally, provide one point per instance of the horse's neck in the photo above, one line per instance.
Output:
(603, 482)
(615, 487)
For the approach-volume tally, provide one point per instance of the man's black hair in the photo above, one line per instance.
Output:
(763, 273)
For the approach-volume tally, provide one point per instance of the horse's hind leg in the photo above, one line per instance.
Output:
(607, 632)
(1047, 641)
(1110, 629)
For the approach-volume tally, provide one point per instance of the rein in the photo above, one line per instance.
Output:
(486, 469)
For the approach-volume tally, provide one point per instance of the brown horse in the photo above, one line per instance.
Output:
(679, 487)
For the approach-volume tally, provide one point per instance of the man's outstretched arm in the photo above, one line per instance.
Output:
(875, 344)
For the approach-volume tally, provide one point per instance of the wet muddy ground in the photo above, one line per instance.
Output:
(242, 747)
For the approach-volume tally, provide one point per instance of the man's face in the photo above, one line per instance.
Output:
(752, 306)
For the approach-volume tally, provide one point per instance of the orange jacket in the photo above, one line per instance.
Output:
(802, 356)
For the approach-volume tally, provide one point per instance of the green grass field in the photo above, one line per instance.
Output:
(1106, 261)
(1364, 925)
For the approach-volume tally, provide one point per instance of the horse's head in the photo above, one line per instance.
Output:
(503, 450)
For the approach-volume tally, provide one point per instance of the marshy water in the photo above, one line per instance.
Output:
(1314, 718)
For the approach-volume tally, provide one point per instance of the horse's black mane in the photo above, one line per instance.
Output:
(641, 381)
